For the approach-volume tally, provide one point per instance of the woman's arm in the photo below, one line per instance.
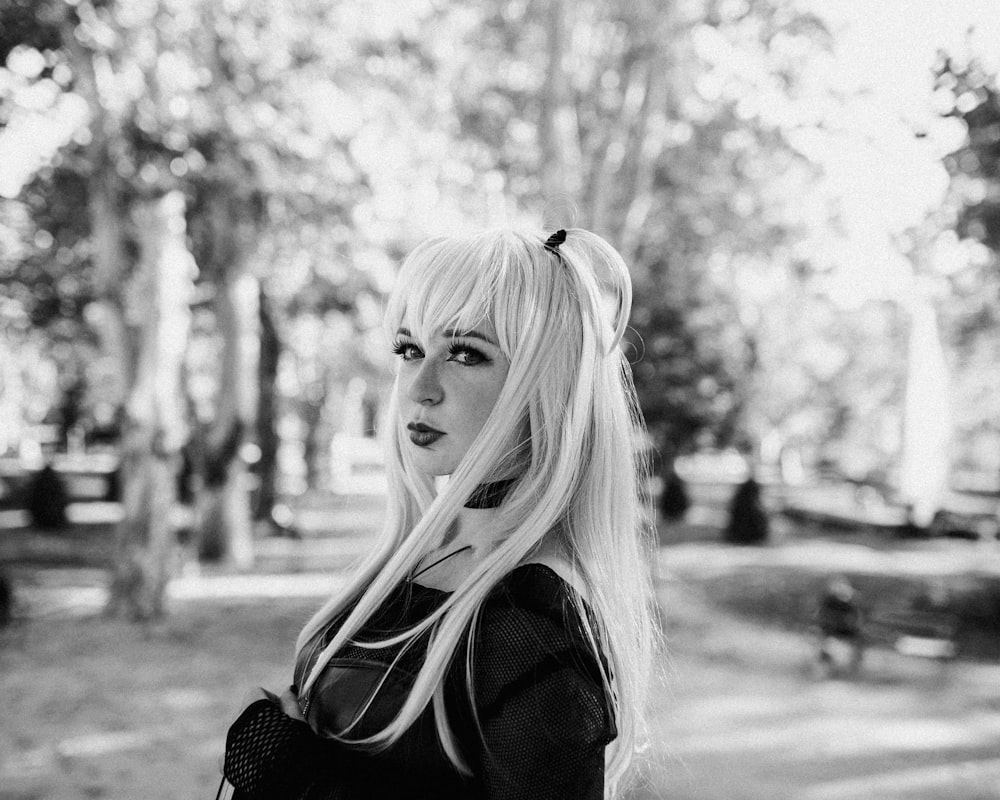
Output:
(545, 740)
(271, 753)
(541, 704)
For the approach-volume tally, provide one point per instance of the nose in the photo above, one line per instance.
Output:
(425, 387)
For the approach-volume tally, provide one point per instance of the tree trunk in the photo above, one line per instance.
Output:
(226, 528)
(644, 151)
(558, 130)
(148, 361)
(311, 415)
(267, 411)
(620, 173)
(605, 159)
(13, 359)
(111, 268)
(924, 460)
(157, 310)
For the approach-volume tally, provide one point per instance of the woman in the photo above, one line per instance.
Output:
(497, 644)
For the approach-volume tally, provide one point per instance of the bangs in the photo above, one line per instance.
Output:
(444, 284)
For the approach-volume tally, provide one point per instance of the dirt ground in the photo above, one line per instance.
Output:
(101, 709)
(742, 714)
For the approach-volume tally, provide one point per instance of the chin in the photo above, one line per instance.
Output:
(436, 464)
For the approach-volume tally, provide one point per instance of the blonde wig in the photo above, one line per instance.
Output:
(559, 319)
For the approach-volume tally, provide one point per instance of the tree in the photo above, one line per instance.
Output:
(643, 122)
(160, 293)
(266, 468)
(140, 271)
(275, 122)
(970, 93)
(313, 147)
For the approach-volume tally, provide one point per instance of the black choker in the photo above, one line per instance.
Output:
(490, 495)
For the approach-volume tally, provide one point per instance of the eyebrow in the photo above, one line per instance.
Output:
(452, 333)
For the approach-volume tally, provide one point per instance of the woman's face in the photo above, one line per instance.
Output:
(447, 387)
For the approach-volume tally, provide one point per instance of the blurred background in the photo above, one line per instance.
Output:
(202, 206)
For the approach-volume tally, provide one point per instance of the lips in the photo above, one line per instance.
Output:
(423, 435)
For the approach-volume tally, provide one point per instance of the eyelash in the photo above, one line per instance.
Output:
(401, 348)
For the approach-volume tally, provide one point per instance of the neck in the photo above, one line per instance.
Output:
(476, 527)
(469, 538)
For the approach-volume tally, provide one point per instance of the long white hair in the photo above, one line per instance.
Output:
(559, 319)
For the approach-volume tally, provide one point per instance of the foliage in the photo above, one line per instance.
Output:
(342, 138)
(970, 93)
(689, 365)
(646, 124)
(292, 110)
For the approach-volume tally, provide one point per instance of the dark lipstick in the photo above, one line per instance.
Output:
(423, 435)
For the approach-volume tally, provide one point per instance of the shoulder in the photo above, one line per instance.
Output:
(532, 657)
(531, 625)
(560, 568)
(538, 593)
(543, 576)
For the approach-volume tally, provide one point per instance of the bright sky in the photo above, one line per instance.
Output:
(884, 177)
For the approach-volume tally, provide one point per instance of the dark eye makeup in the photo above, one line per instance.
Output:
(459, 352)
(466, 354)
(406, 350)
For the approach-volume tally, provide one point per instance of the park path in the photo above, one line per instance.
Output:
(739, 714)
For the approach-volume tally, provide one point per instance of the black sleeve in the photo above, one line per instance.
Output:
(542, 710)
(270, 755)
(546, 741)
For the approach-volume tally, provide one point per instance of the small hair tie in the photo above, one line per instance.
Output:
(556, 239)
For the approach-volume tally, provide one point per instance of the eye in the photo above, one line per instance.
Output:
(406, 350)
(466, 355)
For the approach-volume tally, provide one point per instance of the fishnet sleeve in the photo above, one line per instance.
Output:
(539, 693)
(545, 740)
(270, 755)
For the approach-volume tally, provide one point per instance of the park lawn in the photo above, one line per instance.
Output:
(787, 597)
(97, 708)
(755, 583)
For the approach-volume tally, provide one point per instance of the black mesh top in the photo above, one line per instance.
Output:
(543, 716)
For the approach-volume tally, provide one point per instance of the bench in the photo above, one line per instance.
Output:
(86, 479)
(913, 632)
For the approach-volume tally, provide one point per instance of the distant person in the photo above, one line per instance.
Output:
(674, 500)
(47, 499)
(497, 643)
(839, 620)
(748, 523)
(6, 600)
